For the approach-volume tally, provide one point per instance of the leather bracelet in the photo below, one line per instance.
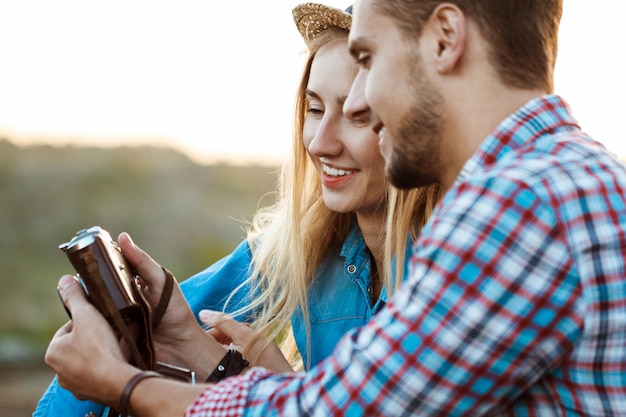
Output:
(130, 386)
(231, 364)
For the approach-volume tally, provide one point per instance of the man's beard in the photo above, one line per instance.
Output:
(415, 160)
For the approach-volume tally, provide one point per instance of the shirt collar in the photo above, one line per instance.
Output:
(354, 243)
(531, 121)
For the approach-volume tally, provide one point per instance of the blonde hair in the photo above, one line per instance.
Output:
(291, 238)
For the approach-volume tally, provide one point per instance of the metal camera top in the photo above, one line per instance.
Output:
(84, 238)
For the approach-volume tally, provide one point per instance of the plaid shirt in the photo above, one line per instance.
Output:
(515, 304)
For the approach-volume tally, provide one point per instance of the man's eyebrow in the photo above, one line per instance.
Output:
(355, 46)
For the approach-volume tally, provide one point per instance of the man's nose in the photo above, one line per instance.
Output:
(356, 107)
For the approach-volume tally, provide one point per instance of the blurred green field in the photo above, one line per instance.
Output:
(184, 214)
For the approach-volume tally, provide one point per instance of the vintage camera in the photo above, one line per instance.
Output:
(114, 289)
(108, 280)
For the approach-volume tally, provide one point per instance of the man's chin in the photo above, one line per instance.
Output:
(399, 178)
(401, 183)
(405, 176)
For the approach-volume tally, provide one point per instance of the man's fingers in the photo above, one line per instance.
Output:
(71, 292)
(219, 336)
(239, 333)
(229, 329)
(134, 253)
(144, 265)
(63, 330)
(75, 300)
(256, 348)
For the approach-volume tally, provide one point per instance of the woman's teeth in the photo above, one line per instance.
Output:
(333, 172)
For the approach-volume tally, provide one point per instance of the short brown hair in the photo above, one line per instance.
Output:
(522, 34)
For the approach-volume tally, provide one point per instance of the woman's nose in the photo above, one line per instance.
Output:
(327, 138)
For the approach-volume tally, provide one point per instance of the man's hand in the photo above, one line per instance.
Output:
(178, 339)
(85, 353)
(258, 350)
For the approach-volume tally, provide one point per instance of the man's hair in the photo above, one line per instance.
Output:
(522, 34)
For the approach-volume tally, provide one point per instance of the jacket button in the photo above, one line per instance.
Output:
(351, 269)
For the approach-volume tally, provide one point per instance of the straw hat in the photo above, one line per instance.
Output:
(313, 18)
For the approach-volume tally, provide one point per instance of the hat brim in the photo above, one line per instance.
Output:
(313, 18)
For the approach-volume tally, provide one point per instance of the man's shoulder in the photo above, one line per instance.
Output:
(558, 163)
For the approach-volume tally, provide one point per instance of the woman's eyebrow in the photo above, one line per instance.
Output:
(310, 93)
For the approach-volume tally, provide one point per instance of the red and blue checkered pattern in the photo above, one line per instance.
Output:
(516, 301)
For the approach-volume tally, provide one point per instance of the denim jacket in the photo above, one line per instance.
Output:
(340, 298)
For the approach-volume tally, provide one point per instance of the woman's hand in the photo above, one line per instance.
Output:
(85, 353)
(258, 350)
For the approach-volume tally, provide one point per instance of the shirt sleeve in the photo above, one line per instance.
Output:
(484, 314)
(214, 288)
(228, 398)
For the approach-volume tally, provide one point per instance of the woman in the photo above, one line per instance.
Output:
(325, 257)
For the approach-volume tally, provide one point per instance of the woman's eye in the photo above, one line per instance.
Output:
(315, 111)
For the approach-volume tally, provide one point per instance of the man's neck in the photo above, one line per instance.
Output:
(475, 115)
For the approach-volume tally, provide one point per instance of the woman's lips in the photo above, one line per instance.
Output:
(336, 177)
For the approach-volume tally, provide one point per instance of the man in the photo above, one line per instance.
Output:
(516, 301)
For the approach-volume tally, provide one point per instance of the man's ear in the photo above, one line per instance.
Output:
(448, 28)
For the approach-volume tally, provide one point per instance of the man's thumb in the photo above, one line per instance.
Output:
(71, 292)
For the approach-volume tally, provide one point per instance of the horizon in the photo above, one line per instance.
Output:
(224, 159)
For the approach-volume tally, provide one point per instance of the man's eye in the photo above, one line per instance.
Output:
(363, 60)
(361, 122)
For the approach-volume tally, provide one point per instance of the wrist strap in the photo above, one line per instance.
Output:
(232, 364)
(130, 386)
